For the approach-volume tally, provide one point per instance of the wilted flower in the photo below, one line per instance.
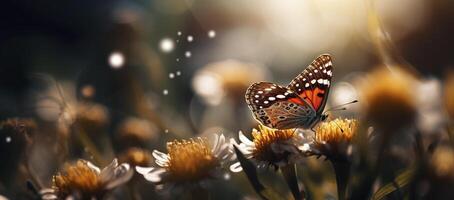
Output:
(136, 157)
(84, 180)
(333, 139)
(188, 163)
(388, 98)
(269, 147)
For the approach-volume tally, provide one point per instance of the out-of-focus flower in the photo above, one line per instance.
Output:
(440, 174)
(442, 163)
(333, 139)
(388, 98)
(136, 157)
(188, 163)
(88, 91)
(84, 180)
(449, 94)
(91, 117)
(430, 109)
(226, 78)
(135, 130)
(270, 147)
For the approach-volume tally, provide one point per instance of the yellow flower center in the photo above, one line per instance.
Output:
(78, 178)
(190, 160)
(336, 131)
(264, 137)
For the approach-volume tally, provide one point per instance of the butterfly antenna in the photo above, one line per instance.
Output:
(340, 107)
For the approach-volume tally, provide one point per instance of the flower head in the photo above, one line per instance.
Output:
(442, 163)
(188, 163)
(333, 139)
(388, 98)
(270, 147)
(136, 157)
(226, 78)
(91, 117)
(136, 131)
(83, 180)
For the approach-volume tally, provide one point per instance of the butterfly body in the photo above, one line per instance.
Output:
(298, 105)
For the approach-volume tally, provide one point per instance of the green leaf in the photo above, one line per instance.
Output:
(401, 180)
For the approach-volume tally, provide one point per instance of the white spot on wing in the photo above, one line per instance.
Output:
(307, 85)
(280, 96)
(329, 73)
(313, 81)
(271, 98)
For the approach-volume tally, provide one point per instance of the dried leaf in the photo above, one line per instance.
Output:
(401, 180)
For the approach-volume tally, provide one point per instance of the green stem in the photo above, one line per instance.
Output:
(289, 173)
(342, 171)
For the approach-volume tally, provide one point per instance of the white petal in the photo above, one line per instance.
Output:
(305, 147)
(244, 139)
(144, 170)
(216, 142)
(233, 142)
(160, 156)
(122, 174)
(155, 175)
(161, 163)
(223, 152)
(107, 174)
(236, 167)
(92, 166)
(221, 142)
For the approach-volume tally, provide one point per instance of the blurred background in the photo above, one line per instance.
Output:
(141, 73)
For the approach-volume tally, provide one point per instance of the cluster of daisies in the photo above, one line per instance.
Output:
(356, 151)
(193, 163)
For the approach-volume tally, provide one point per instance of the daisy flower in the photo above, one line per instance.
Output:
(270, 147)
(332, 139)
(83, 180)
(188, 164)
(389, 98)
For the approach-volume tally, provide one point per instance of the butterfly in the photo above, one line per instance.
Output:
(300, 104)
